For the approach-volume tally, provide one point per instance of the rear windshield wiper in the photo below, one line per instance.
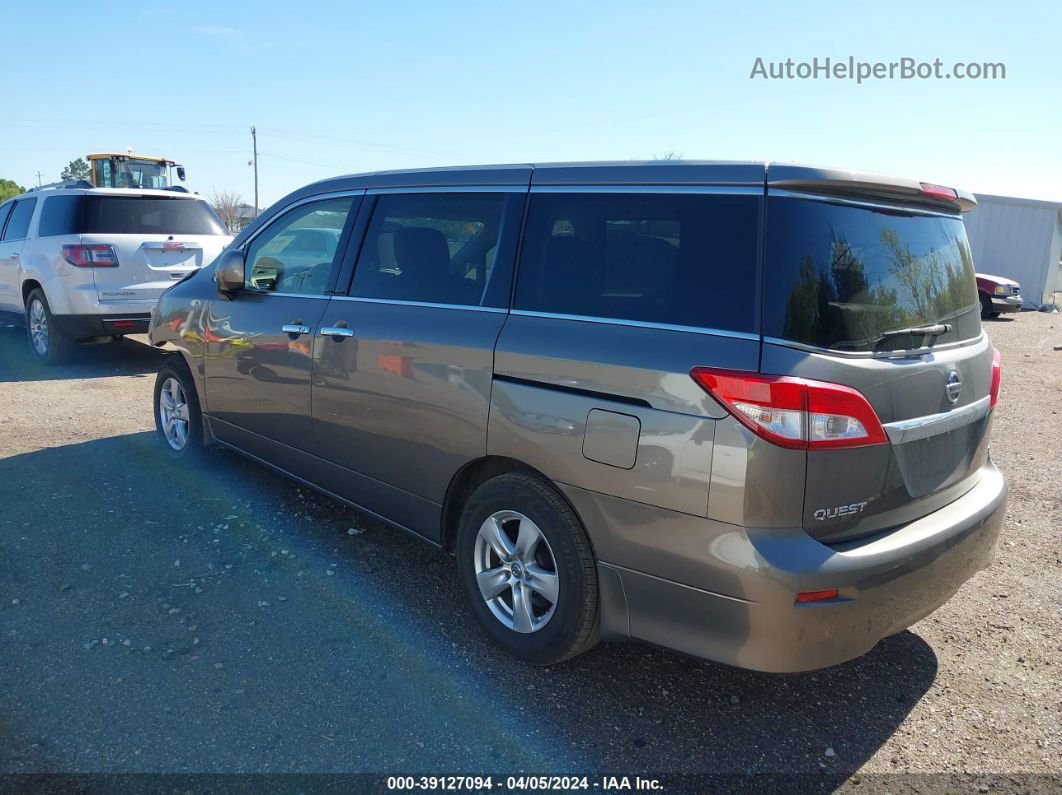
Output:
(934, 330)
(925, 332)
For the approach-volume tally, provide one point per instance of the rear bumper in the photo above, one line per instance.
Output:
(81, 326)
(1010, 303)
(735, 601)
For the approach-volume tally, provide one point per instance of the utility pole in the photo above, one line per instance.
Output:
(38, 179)
(254, 146)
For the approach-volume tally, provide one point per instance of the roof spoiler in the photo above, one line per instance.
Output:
(865, 185)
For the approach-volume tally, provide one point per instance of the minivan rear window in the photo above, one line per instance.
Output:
(127, 215)
(846, 277)
(679, 259)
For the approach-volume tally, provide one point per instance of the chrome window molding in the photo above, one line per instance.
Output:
(900, 354)
(294, 205)
(934, 424)
(712, 332)
(428, 304)
(663, 188)
(448, 189)
(253, 291)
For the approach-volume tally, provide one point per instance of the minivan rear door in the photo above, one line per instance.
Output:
(879, 295)
(156, 241)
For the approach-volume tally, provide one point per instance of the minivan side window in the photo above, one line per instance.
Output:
(297, 252)
(432, 247)
(18, 224)
(681, 259)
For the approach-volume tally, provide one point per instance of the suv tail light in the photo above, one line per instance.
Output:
(939, 192)
(97, 255)
(795, 412)
(997, 378)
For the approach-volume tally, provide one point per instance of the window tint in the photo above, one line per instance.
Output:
(839, 276)
(4, 211)
(434, 247)
(60, 216)
(148, 215)
(18, 224)
(296, 253)
(676, 259)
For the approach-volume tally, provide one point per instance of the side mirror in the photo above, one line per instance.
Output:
(180, 173)
(228, 272)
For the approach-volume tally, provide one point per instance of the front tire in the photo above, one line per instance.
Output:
(527, 569)
(47, 343)
(986, 307)
(178, 418)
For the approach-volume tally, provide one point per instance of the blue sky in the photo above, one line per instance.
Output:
(338, 87)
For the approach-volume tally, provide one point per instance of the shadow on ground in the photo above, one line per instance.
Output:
(121, 357)
(224, 619)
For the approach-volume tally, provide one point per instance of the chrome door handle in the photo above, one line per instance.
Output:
(337, 332)
(295, 328)
(14, 255)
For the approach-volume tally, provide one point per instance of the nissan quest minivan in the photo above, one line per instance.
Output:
(739, 410)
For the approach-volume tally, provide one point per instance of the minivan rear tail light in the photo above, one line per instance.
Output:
(939, 192)
(997, 378)
(97, 255)
(795, 412)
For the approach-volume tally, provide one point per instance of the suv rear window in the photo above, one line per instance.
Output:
(843, 277)
(127, 215)
(671, 258)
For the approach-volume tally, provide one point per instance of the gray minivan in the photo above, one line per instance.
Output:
(740, 410)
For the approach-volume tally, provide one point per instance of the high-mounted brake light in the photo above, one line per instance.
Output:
(997, 379)
(795, 412)
(939, 192)
(97, 255)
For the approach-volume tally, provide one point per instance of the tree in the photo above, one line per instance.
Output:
(78, 169)
(9, 188)
(227, 204)
(668, 156)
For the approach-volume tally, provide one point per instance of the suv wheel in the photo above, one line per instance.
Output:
(178, 420)
(527, 569)
(46, 341)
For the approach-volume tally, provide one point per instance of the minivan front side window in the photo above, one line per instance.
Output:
(297, 253)
(674, 259)
(430, 247)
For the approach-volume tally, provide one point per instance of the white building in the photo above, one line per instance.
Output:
(1020, 239)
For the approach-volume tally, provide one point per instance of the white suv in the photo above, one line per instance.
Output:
(82, 263)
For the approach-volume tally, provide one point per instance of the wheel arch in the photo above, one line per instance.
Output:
(28, 286)
(477, 472)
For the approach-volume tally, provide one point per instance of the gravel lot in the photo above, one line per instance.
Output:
(155, 619)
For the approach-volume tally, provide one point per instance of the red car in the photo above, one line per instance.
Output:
(998, 294)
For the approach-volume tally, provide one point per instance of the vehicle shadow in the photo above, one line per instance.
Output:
(126, 356)
(313, 621)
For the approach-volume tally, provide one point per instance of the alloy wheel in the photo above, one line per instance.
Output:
(38, 327)
(516, 571)
(173, 413)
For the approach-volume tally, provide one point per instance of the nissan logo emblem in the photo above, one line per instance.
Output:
(953, 387)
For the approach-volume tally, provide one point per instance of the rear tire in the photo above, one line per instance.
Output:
(178, 418)
(533, 589)
(47, 343)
